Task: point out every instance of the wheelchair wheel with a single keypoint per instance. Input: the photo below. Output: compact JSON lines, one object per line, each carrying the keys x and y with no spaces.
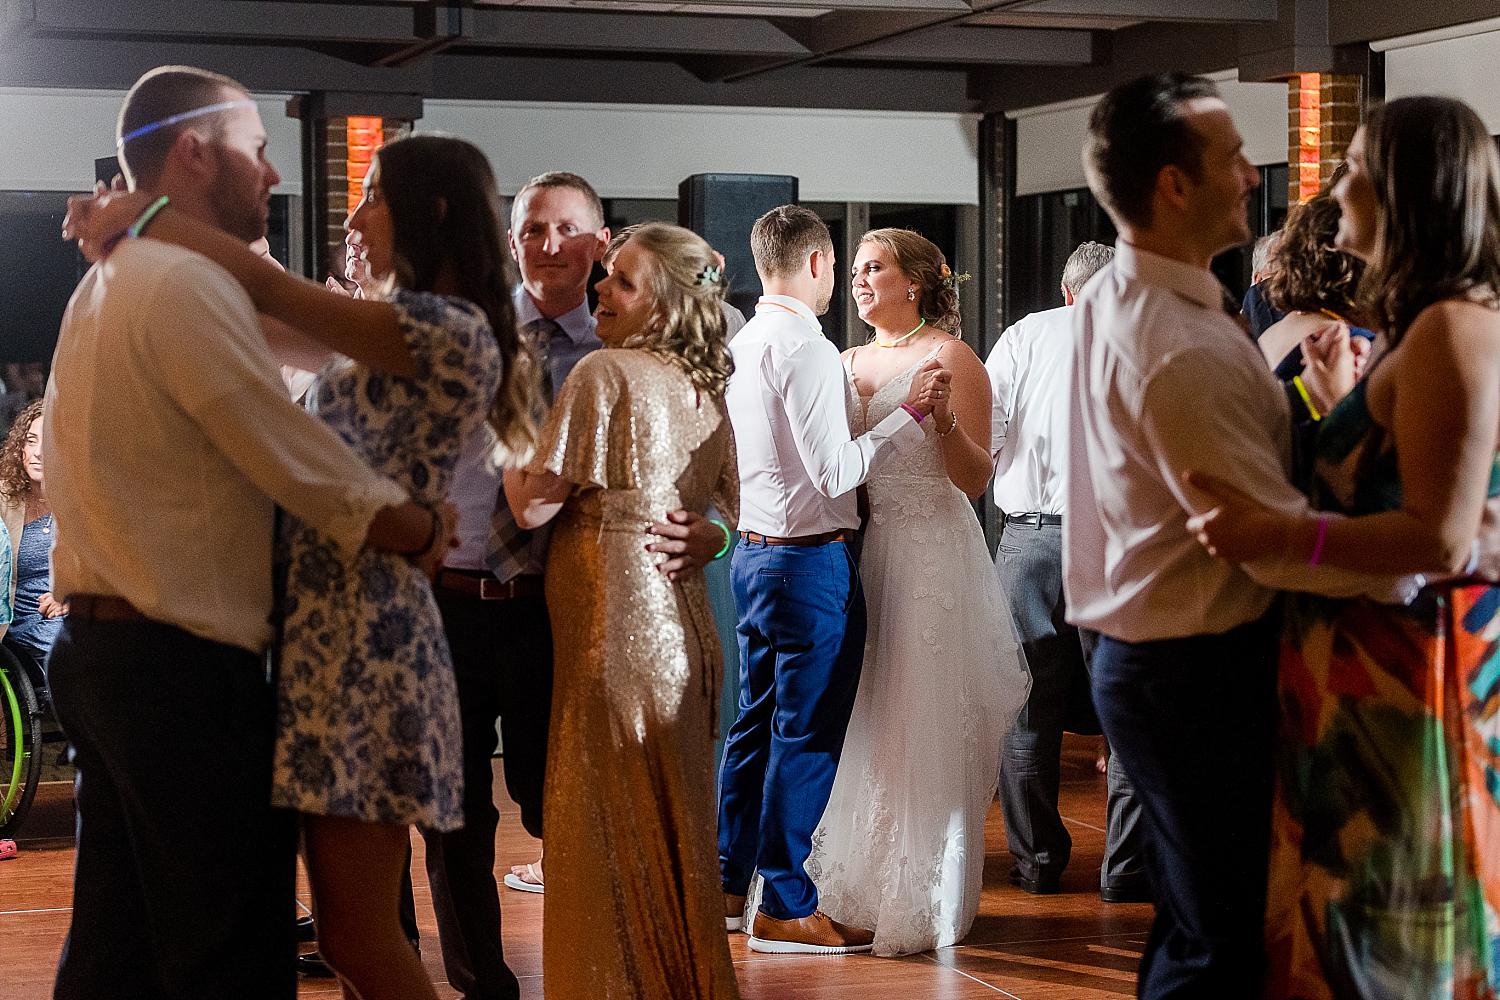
{"x":20,"y":743}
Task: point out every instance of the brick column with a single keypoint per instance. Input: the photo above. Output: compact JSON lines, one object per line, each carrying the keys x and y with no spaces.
{"x":1323,"y":111}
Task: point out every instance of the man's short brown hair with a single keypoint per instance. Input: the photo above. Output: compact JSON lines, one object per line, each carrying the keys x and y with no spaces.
{"x":783,"y":238}
{"x":561,"y":179}
{"x":162,"y":93}
{"x":1137,"y":129}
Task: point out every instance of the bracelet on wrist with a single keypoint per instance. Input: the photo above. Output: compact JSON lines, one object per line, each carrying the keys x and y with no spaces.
{"x":916,"y":415}
{"x":144,"y":219}
{"x":728,"y":538}
{"x":952,"y":424}
{"x":1301,"y":387}
{"x":1318,"y":540}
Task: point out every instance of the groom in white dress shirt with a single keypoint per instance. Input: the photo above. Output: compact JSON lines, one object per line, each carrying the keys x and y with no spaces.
{"x":796,"y":588}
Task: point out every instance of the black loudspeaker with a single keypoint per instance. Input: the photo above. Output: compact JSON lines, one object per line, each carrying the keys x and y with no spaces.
{"x":722,"y":208}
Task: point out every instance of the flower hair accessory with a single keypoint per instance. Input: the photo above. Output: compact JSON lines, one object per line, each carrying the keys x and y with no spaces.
{"x":950,"y":280}
{"x":710,"y":275}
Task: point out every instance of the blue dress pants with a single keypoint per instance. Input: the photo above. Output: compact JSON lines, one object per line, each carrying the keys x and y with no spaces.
{"x":802,"y":637}
{"x":1193,"y":723}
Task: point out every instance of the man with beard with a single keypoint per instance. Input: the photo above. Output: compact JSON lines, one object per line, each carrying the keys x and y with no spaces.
{"x":170,"y":442}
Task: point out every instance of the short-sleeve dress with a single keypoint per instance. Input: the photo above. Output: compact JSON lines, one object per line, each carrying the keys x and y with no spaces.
{"x":633,"y":897}
{"x":367,"y":720}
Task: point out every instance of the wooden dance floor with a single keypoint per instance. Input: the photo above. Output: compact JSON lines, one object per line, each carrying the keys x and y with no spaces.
{"x":1024,"y":947}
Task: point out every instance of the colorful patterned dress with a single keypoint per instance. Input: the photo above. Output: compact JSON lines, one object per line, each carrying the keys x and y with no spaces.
{"x":1385,"y":854}
{"x":367,"y":710}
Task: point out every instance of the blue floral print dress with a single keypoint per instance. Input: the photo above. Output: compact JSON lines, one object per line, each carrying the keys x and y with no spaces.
{"x":367,"y":722}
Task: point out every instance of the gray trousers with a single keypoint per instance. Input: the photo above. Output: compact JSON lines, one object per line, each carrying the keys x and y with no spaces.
{"x":1029,"y":564}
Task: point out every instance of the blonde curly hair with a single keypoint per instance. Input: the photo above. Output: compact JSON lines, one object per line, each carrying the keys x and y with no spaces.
{"x":926,"y":267}
{"x":687,"y":318}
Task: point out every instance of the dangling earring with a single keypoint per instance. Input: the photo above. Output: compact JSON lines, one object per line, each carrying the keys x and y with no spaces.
{"x":911,"y":295}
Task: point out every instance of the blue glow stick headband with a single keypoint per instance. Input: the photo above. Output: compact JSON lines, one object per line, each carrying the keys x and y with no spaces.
{"x":207,"y":109}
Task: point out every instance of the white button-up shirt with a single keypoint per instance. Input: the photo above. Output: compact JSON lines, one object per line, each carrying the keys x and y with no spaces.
{"x":170,"y":440}
{"x":1029,"y":375}
{"x":1163,"y":382}
{"x":788,"y":406}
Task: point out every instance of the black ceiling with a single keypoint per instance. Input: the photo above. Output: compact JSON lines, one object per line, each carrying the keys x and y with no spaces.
{"x":937,"y":54}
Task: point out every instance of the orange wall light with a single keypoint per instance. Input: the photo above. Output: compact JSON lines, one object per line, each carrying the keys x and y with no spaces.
{"x":365,"y":135}
{"x":1309,"y":134}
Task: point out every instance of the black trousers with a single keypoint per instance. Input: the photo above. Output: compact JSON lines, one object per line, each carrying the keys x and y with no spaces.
{"x":1193,"y":722}
{"x":502,"y":659}
{"x":185,"y":874}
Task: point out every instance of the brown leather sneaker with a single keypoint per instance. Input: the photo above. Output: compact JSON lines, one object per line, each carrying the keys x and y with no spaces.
{"x":734,"y":912}
{"x":815,"y":934}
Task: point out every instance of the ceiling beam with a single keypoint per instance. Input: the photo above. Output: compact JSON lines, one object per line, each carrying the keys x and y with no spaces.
{"x":115,"y":64}
{"x":1135,"y":51}
{"x":277,"y":20}
{"x":560,"y":30}
{"x":598,"y":80}
{"x":1197,"y":11}
{"x":948,"y":6}
{"x":964,"y":45}
{"x":845,"y":31}
{"x":1358,"y":21}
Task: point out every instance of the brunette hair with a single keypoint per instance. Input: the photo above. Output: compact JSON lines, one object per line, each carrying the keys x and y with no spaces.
{"x":1308,"y":272}
{"x":445,"y":210}
{"x":1136,"y":130}
{"x":160,"y":94}
{"x":15,"y":484}
{"x":686,"y":325}
{"x":782,"y":239}
{"x":926,"y":267}
{"x":1437,"y":186}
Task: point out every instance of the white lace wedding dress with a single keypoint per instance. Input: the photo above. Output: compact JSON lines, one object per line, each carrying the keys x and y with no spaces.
{"x":900,"y":848}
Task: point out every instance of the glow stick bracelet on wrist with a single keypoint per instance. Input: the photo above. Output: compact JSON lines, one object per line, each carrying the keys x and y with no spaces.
{"x":728,"y":538}
{"x":144,"y":219}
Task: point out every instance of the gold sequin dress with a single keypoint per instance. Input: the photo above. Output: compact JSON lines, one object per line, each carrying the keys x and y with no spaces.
{"x":634,"y":905}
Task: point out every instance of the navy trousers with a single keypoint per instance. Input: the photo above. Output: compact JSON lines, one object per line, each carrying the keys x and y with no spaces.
{"x":185,"y":873}
{"x":1193,"y":723}
{"x":802,"y":640}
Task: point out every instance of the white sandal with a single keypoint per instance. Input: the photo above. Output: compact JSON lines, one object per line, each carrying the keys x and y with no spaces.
{"x":531,"y":881}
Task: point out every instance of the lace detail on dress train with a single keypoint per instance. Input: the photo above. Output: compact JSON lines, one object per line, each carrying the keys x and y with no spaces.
{"x":900,"y":848}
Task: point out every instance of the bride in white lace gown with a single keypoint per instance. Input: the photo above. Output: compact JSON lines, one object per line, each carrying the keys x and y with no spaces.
{"x":900,"y":848}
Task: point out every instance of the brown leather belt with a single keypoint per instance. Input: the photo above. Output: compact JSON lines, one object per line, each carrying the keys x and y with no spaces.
{"x":839,"y":535}
{"x":103,"y":608}
{"x":482,"y":585}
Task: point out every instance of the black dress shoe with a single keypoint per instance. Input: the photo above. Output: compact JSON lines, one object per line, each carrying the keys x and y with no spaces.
{"x":1126,"y":892}
{"x":312,"y":966}
{"x":1042,"y":885}
{"x":307,"y":931}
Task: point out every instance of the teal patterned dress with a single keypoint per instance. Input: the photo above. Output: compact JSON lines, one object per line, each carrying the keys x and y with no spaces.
{"x":1385,"y":855}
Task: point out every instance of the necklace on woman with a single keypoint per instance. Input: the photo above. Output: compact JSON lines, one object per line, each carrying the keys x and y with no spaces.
{"x":899,"y":340}
{"x":47,"y":528}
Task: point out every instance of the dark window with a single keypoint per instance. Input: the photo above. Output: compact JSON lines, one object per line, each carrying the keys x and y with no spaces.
{"x":1047,"y":228}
